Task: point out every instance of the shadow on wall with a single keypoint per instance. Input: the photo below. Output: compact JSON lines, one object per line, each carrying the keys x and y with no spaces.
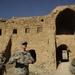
{"x":33,"y":54}
{"x":8,"y":50}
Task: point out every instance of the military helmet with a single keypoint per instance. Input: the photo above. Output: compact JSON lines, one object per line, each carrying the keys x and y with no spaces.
{"x":24,"y":43}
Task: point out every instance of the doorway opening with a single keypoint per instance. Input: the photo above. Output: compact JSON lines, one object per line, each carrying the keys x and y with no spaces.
{"x":0,"y":32}
{"x":62,"y":54}
{"x":33,"y":54}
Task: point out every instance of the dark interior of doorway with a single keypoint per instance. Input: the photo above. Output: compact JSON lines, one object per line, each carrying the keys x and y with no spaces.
{"x":59,"y":50}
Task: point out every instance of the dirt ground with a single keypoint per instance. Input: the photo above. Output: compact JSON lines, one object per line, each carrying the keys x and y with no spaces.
{"x":34,"y":70}
{"x":63,"y":69}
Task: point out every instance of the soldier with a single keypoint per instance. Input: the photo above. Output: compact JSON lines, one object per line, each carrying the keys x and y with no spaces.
{"x":2,"y":62}
{"x":72,"y":66}
{"x":22,"y":58}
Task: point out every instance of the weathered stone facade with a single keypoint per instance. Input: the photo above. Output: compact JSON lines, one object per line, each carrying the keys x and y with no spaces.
{"x":48,"y":35}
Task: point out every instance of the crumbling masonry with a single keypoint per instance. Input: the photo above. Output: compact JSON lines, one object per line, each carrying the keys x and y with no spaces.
{"x":51,"y":36}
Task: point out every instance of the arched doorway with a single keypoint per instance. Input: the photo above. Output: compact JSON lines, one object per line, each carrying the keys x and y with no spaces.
{"x":62,"y":54}
{"x":65,"y":25}
{"x":65,"y":22}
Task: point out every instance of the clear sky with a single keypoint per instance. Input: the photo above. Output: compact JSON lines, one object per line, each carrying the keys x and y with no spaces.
{"x":29,"y":8}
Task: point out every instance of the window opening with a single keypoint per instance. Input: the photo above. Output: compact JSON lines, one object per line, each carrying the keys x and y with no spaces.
{"x":15,"y":31}
{"x":64,"y":22}
{"x":27,"y":30}
{"x":39,"y":29}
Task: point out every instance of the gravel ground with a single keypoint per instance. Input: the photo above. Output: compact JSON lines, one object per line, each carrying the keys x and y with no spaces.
{"x":63,"y":69}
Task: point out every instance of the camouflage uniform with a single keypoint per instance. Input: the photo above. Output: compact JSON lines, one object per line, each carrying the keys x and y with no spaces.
{"x":2,"y":65}
{"x":72,"y":66}
{"x":22,"y":66}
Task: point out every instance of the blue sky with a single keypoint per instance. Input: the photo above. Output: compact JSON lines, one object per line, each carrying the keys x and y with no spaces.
{"x":29,"y":8}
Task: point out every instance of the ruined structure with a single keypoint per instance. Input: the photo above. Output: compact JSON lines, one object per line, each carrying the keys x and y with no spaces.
{"x":51,"y":36}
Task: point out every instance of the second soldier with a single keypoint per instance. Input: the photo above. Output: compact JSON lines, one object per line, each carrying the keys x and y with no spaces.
{"x":2,"y":62}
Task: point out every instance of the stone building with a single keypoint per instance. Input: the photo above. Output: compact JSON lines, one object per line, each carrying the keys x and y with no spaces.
{"x":51,"y":36}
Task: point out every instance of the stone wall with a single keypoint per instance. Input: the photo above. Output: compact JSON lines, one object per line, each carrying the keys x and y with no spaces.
{"x":40,"y":32}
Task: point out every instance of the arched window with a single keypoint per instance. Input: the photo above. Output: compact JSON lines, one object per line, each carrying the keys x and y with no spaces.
{"x":27,"y":30}
{"x":65,"y":22}
{"x":39,"y":29}
{"x":14,"y":31}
